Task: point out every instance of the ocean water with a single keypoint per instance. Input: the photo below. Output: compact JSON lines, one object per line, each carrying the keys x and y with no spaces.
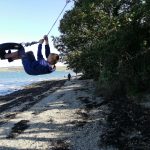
{"x":13,"y":81}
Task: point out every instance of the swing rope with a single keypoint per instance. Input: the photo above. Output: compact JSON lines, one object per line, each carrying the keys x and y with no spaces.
{"x":34,"y":42}
{"x":58,"y":17}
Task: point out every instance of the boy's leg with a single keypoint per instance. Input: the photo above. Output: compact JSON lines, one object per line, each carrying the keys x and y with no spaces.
{"x":30,"y":56}
{"x":16,"y":55}
{"x":13,"y":56}
{"x":28,"y":61}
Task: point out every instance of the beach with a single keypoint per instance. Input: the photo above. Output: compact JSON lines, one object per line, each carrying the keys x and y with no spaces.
{"x":69,"y":115}
{"x":55,"y":115}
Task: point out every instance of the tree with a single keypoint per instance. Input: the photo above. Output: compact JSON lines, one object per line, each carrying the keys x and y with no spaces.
{"x":107,"y":40}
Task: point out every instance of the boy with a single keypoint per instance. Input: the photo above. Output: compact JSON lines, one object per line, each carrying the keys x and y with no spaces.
{"x":33,"y":66}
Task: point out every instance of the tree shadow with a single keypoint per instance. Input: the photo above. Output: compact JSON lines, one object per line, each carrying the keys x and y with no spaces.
{"x":128,"y":125}
{"x":26,"y":130}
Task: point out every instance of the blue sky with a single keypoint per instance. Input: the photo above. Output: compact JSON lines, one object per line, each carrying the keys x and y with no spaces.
{"x":29,"y":20}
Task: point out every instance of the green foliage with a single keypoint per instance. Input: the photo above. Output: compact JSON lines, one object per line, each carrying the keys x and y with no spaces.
{"x":108,"y":40}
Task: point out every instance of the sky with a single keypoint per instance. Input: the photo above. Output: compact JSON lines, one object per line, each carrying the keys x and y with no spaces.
{"x":28,"y":20}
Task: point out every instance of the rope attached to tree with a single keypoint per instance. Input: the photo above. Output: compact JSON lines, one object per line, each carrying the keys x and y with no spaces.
{"x":58,"y":17}
{"x":34,"y":42}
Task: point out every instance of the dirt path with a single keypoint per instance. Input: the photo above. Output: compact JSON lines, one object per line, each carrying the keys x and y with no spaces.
{"x":68,"y":118}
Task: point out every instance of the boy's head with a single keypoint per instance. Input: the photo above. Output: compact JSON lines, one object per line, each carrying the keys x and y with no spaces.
{"x":53,"y":58}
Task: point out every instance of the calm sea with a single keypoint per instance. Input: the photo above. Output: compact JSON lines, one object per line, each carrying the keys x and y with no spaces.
{"x":12,"y":81}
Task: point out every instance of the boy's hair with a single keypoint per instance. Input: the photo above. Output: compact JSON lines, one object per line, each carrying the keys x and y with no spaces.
{"x":57,"y":56}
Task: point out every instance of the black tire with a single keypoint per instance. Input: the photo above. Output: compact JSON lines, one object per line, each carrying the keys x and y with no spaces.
{"x":10,"y":46}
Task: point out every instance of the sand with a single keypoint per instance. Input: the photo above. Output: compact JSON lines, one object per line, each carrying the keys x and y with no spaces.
{"x":54,"y":115}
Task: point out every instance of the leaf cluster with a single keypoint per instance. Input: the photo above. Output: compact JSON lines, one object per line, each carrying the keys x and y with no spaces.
{"x":108,"y":40}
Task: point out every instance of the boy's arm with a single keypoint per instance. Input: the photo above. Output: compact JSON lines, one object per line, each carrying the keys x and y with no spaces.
{"x":47,"y":48}
{"x":39,"y":52}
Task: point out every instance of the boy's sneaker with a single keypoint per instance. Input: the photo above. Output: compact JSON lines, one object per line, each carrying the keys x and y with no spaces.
{"x":9,"y":59}
{"x":2,"y":54}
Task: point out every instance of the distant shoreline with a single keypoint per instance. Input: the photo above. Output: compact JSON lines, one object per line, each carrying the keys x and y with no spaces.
{"x":20,"y":68}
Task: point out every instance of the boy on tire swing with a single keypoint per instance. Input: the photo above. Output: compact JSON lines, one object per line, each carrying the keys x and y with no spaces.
{"x":30,"y":64}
